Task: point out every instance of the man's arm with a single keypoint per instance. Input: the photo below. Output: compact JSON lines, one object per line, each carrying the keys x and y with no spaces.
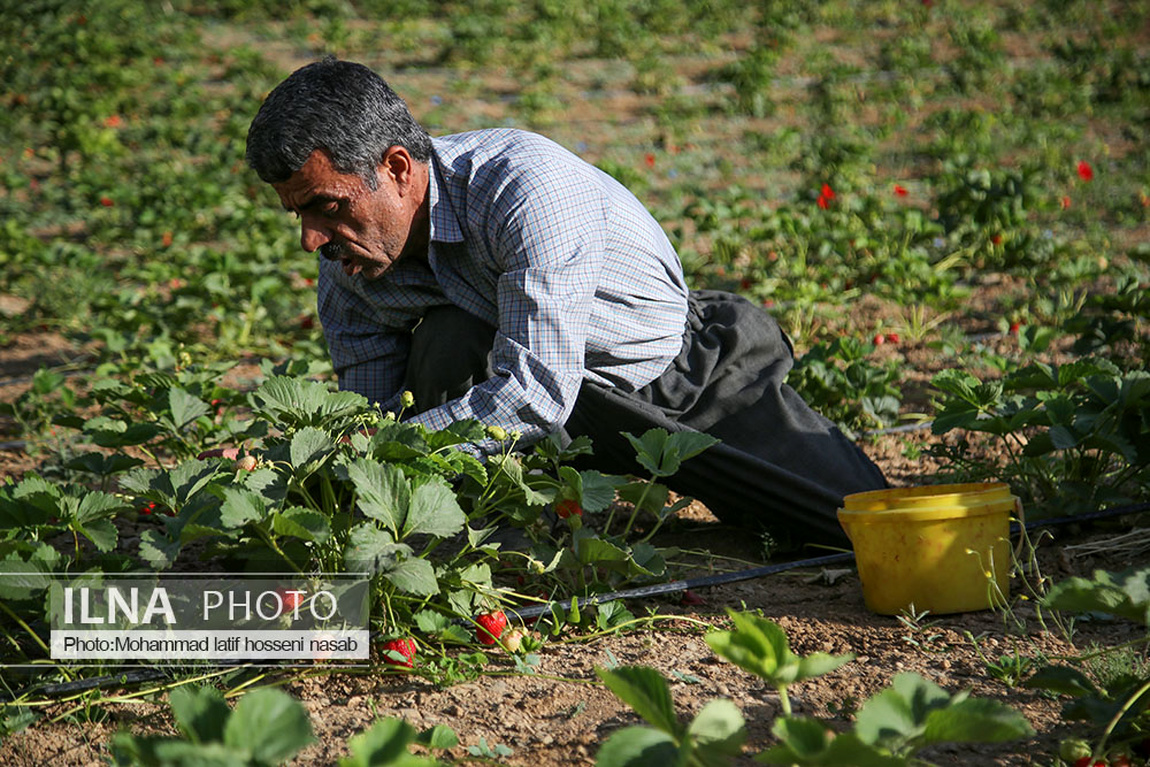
{"x":545,"y":238}
{"x":369,"y":356}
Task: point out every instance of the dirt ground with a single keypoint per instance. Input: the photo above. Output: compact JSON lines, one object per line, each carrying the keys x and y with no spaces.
{"x":560,"y":715}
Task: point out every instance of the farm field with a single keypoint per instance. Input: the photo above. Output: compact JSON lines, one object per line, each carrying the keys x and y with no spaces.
{"x":946,"y":204}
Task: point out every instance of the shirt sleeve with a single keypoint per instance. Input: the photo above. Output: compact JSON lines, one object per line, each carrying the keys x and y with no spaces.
{"x":545,"y":236}
{"x":369,"y":357}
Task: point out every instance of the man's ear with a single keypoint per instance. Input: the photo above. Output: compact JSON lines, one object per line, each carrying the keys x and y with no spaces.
{"x":397,"y":167}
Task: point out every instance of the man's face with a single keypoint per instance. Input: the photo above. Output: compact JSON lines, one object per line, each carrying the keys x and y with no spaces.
{"x":365,"y":229}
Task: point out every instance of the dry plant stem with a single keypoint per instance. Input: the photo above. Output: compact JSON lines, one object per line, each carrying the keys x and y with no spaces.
{"x":1135,"y":542}
{"x":1103,"y":651}
{"x":709,"y":555}
{"x":237,"y":690}
{"x":549,"y":677}
{"x":650,"y":619}
{"x":122,"y":698}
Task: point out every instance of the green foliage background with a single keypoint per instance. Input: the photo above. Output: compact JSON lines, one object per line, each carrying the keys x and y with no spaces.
{"x":917,"y":173}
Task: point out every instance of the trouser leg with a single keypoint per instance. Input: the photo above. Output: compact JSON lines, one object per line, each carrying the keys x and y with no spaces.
{"x":450,"y":353}
{"x":793,"y":497}
{"x":780,"y":465}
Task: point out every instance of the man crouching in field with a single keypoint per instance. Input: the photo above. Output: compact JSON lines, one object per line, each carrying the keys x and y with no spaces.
{"x":499,"y":277}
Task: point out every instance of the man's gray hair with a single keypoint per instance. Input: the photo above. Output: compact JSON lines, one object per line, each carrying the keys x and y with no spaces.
{"x":339,"y":106}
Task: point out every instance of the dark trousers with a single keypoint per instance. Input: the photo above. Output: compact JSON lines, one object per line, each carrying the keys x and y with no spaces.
{"x":780,"y":465}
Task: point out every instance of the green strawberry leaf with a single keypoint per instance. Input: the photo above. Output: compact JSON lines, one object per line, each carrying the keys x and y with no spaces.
{"x":301,"y":523}
{"x":414,"y":576}
{"x":384,"y":743}
{"x":372,"y":549}
{"x":200,"y":712}
{"x":598,"y":490}
{"x":439,"y":736}
{"x":639,"y":747}
{"x":756,"y":645}
{"x":269,"y":723}
{"x":384,"y":493}
{"x":646,"y":691}
{"x":101,"y":532}
{"x":1065,"y":680}
{"x":898,"y":715}
{"x":98,"y":505}
{"x":241,"y":506}
{"x":720,"y":727}
{"x":1125,"y":594}
{"x":309,"y":448}
{"x":434,"y":510}
{"x":158,"y":550}
{"x":186,"y":407}
{"x":975,"y":720}
{"x":21,"y":580}
{"x":808,"y":742}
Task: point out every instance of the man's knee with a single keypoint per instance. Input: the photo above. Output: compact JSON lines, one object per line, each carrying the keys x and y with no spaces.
{"x":450,"y":353}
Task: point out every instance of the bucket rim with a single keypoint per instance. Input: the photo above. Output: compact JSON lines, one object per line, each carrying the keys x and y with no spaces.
{"x":961,"y":495}
{"x":929,"y":513}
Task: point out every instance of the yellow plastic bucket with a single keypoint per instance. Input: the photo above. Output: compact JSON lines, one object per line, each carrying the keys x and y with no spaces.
{"x":942,"y":548}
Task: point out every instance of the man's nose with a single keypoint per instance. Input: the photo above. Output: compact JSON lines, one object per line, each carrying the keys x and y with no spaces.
{"x":313,"y":237}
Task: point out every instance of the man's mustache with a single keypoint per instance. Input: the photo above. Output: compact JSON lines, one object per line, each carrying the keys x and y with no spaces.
{"x":333,"y":251}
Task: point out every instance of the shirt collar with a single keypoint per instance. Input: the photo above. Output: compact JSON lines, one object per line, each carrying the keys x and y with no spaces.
{"x":444,"y":224}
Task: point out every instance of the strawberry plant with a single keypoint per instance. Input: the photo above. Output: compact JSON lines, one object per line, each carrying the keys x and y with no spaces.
{"x":840,"y":382}
{"x":714,"y":736}
{"x":264,"y":729}
{"x":324,"y":482}
{"x":1118,"y":708}
{"x":1074,"y":431}
{"x":890,"y":727}
{"x":759,"y":646}
{"x":36,"y":410}
{"x":388,"y":742}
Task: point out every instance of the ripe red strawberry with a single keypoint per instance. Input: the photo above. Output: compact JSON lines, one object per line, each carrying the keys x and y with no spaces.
{"x":892,"y":338}
{"x":291,"y":599}
{"x":691,"y":598}
{"x":491,"y":626}
{"x":405,"y":647}
{"x":879,"y":339}
{"x":568,"y":508}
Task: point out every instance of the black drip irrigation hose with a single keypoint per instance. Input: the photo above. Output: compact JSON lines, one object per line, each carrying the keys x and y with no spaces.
{"x":671,"y":587}
{"x":139,"y":676}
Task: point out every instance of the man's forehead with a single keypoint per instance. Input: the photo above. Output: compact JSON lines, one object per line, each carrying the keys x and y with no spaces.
{"x":316,"y":177}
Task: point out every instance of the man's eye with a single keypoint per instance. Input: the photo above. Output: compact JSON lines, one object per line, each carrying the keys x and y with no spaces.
{"x":330,"y":208}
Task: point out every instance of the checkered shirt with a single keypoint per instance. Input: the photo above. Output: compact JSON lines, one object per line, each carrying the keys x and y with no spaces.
{"x":578,"y":278}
